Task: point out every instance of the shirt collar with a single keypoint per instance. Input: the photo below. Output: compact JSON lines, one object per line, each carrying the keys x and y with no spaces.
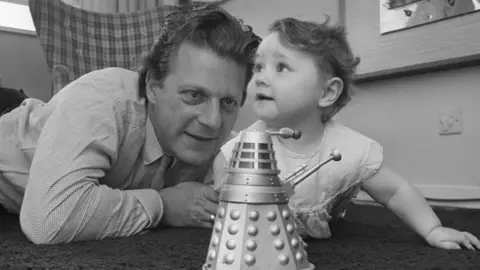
{"x":152,"y":150}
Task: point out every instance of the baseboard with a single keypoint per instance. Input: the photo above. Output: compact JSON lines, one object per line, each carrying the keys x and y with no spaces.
{"x":440,"y":195}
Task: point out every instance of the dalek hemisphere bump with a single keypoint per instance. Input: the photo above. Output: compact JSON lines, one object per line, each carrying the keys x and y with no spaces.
{"x":254,"y":227}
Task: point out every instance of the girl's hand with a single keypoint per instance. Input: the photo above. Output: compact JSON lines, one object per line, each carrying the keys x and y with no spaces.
{"x":447,"y":238}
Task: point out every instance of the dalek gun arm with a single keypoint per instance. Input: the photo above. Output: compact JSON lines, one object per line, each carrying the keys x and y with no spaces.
{"x":302,"y":173}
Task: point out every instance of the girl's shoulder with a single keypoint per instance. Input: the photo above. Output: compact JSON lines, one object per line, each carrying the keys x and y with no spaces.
{"x":360,"y":153}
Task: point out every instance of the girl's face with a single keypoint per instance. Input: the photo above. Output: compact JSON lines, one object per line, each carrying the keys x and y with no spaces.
{"x":286,"y":84}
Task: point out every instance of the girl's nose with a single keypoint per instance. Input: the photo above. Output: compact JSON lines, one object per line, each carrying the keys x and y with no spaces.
{"x":261,"y":80}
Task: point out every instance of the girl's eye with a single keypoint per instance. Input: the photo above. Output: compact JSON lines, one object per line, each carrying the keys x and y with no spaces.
{"x":281,"y":67}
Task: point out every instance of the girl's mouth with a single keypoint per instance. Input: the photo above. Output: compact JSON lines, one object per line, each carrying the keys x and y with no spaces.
{"x":262,"y":97}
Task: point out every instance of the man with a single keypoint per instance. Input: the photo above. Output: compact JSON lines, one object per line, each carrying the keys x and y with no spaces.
{"x":96,"y":160}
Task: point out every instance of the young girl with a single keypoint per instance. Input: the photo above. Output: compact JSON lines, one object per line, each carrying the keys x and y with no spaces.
{"x":302,"y":77}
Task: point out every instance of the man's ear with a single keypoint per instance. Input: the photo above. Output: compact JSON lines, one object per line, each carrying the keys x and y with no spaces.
{"x":332,"y":90}
{"x":151,"y":89}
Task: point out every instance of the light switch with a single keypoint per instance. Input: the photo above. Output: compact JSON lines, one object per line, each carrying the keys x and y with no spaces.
{"x":450,"y":121}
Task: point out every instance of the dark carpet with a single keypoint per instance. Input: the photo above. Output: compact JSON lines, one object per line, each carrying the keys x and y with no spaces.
{"x":369,"y":238}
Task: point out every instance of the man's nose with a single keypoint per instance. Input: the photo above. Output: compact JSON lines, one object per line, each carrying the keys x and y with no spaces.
{"x":211,"y":115}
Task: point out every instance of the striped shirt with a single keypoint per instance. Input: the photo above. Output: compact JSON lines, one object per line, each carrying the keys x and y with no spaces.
{"x":88,"y":156}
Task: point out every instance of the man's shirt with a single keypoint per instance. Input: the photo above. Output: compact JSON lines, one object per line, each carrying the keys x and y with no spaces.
{"x":88,"y":155}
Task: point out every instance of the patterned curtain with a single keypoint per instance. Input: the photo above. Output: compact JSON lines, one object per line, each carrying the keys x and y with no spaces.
{"x":126,"y":6}
{"x":115,"y":6}
{"x":77,"y":39}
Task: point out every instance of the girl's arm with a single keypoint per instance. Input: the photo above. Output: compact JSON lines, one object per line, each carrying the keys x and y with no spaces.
{"x":403,"y":199}
{"x":407,"y":203}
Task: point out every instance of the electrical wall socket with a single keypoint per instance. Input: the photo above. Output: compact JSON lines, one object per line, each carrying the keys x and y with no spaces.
{"x":450,"y":121}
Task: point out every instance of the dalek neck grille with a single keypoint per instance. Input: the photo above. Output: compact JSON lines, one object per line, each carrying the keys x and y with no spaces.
{"x":253,"y":154}
{"x":253,"y":173}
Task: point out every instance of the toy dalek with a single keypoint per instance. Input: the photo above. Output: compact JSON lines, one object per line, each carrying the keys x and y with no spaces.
{"x":254,"y":227}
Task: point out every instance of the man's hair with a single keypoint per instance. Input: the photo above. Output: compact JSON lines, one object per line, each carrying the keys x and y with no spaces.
{"x":205,"y":26}
{"x":328,"y":45}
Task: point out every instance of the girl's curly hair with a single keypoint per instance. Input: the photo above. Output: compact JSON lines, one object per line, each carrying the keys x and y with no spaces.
{"x":329,"y":45}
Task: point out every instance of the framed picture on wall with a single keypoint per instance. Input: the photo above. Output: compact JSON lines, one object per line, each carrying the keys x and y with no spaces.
{"x":390,"y":44}
{"x":398,"y":15}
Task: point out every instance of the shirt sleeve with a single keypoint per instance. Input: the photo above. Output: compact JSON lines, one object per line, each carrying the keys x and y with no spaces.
{"x":219,"y":172}
{"x":64,"y":199}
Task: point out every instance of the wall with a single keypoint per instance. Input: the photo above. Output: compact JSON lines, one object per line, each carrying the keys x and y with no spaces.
{"x":23,"y":65}
{"x":260,"y":14}
{"x":401,"y":113}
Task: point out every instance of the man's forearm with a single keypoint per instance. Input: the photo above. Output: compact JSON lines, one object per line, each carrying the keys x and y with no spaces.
{"x":413,"y":209}
{"x":90,"y":212}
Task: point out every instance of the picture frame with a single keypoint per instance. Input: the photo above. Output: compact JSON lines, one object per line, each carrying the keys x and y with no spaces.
{"x":430,"y":47}
{"x":399,"y":15}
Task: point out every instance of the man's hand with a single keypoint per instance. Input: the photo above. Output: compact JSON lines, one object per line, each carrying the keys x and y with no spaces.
{"x":189,"y":204}
{"x":447,"y":238}
{"x":183,"y":172}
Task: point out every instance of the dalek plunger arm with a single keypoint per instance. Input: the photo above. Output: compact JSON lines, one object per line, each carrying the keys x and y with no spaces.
{"x":292,"y":179}
{"x":335,"y":156}
{"x":302,"y":172}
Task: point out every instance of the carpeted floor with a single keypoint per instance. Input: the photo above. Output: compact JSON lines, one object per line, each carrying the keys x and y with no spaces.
{"x":370,"y":238}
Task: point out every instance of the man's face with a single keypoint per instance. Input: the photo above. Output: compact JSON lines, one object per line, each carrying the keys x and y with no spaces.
{"x":197,"y":106}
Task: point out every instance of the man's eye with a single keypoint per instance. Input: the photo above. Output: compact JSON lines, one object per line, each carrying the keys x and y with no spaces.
{"x":192,"y":94}
{"x":230,"y":102}
{"x":257,"y":68}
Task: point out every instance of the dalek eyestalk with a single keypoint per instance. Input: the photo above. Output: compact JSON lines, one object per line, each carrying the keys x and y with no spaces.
{"x":286,"y":133}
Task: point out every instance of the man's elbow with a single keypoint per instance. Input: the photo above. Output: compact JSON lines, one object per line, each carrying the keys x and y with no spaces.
{"x":38,"y":226}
